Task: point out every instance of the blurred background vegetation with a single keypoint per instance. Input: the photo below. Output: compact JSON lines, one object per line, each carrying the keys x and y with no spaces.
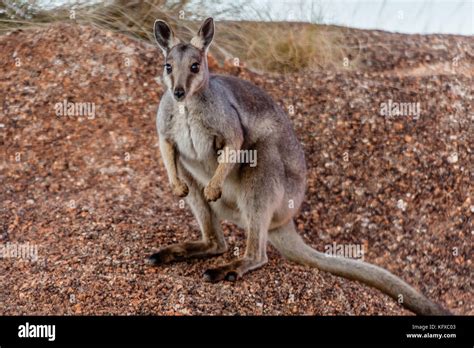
{"x":262,"y":45}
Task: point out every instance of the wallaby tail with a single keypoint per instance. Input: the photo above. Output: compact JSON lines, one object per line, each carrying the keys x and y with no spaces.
{"x":287,"y":241}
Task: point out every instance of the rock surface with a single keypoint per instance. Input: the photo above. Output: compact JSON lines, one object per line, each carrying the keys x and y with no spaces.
{"x":92,"y":195}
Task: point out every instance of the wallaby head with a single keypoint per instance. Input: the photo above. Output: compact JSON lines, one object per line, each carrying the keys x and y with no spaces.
{"x":185,"y":71}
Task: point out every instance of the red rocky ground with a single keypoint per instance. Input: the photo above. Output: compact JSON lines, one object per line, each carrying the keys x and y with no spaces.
{"x":92,"y":194}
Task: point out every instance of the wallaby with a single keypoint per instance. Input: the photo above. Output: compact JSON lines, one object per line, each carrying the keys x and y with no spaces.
{"x":201,"y":115}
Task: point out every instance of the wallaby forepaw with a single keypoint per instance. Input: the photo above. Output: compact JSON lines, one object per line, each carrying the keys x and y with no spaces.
{"x":180,"y":189}
{"x":212,"y":193}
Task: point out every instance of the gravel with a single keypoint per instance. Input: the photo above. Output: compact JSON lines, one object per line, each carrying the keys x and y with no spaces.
{"x":91,"y":195}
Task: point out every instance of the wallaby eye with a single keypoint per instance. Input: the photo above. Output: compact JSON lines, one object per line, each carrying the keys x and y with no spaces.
{"x":195,"y":68}
{"x":168,"y":68}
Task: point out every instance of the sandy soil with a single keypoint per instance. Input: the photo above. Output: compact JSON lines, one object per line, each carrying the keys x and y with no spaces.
{"x":91,"y":193}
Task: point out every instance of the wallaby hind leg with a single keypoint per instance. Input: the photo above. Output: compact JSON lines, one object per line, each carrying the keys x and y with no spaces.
{"x":212,"y":242}
{"x":254,"y":257}
{"x":257,"y":206}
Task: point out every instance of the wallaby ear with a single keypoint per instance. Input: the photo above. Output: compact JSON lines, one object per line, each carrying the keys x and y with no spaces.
{"x":204,"y":36}
{"x":164,"y":35}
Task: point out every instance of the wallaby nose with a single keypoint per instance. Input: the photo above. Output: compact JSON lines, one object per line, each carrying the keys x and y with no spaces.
{"x":179,"y":93}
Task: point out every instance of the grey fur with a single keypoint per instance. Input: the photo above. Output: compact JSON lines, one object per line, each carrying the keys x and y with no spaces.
{"x":220,"y":112}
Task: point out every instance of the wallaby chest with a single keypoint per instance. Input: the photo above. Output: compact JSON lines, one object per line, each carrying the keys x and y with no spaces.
{"x":193,"y":137}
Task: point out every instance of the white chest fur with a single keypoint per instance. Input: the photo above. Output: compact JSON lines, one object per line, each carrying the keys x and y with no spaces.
{"x":192,"y":138}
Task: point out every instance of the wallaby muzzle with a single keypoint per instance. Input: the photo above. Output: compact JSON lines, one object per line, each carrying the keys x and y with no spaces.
{"x":179,"y":93}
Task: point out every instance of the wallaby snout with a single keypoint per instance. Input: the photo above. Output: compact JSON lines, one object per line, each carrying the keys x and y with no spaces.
{"x":179,"y":93}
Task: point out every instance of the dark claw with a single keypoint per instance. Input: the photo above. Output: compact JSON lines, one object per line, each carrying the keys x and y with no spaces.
{"x":212,"y":275}
{"x":161,"y":257}
{"x":218,"y":197}
{"x":155,"y":259}
{"x":185,"y":192}
{"x":217,"y":274}
{"x":231,"y":276}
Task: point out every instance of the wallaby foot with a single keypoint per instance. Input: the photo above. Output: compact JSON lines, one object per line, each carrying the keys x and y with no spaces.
{"x":233,"y":270}
{"x":186,"y":250}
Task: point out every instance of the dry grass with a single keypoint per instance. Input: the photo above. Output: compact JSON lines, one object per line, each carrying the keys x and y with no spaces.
{"x":284,"y":48}
{"x":264,"y":46}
